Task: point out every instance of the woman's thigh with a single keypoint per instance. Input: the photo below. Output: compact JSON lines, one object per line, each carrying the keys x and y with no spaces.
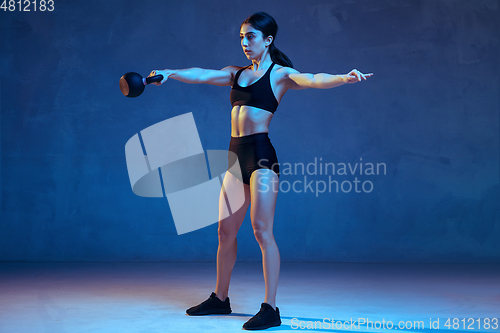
{"x":235,"y":198}
{"x":264,"y":187}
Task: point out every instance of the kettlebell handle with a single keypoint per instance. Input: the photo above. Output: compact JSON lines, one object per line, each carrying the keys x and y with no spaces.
{"x":152,"y":79}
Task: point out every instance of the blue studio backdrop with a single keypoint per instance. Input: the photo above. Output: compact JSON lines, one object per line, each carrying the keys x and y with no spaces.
{"x":428,"y":121}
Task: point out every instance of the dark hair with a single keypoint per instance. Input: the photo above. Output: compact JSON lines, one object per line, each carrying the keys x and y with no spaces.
{"x":267,"y":25}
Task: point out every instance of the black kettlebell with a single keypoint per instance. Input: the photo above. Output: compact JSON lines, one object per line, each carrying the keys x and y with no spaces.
{"x":132,"y":84}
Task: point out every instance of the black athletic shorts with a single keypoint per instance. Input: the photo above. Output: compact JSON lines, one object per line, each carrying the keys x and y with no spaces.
{"x":254,"y":151}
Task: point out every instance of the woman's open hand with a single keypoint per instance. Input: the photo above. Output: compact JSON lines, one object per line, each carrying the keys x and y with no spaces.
{"x":355,"y":76}
{"x":165,"y":72}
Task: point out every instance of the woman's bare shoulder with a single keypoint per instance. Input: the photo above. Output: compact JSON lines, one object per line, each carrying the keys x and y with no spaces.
{"x":232,"y":69}
{"x":284,"y":71}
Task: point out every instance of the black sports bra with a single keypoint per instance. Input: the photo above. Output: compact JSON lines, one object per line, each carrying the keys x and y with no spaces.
{"x":259,"y":94}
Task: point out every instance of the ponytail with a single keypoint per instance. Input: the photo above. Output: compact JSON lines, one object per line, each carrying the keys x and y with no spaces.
{"x":279,"y":57}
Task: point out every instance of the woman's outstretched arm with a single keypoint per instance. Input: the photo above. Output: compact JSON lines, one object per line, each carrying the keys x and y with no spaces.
{"x":223,"y":77}
{"x":296,"y":80}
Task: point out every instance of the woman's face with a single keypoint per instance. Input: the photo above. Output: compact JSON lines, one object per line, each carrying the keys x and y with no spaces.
{"x":252,"y":42}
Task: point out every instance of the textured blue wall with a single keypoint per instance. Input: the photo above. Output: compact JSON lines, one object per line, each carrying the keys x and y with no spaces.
{"x":430,"y":113}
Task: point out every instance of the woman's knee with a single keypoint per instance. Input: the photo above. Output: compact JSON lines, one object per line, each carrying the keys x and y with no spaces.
{"x":226,"y":235}
{"x":262,"y":234}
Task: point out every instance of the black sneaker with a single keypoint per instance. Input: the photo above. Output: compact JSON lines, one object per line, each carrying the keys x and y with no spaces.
{"x":265,"y":318}
{"x":213,"y":305}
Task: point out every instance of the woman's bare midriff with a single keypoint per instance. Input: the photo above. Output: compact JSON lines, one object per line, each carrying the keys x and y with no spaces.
{"x":246,"y":120}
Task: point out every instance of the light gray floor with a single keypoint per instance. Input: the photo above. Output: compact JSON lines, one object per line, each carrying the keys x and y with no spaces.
{"x":153,"y":297}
